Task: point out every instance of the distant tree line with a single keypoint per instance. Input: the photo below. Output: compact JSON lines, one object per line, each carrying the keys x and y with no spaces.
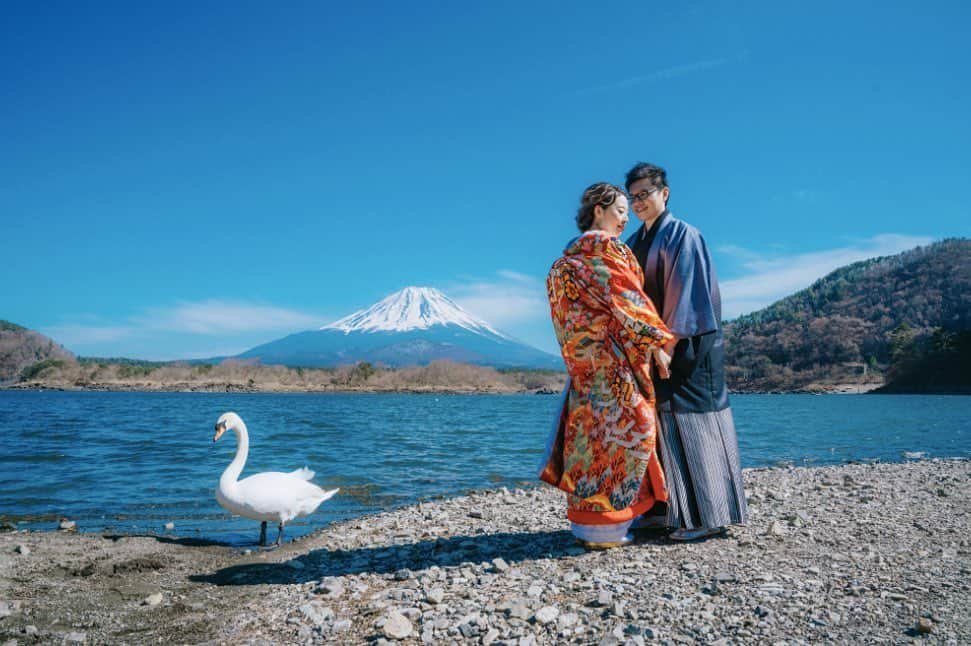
{"x":871,"y":321}
{"x":236,"y":375}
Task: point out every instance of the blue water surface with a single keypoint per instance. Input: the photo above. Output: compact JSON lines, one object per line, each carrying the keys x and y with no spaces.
{"x":132,"y":462}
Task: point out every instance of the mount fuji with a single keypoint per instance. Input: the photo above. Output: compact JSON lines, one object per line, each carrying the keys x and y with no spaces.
{"x":414,"y":326}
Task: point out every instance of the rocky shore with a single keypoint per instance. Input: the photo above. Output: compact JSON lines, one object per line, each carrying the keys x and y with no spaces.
{"x":858,"y":553}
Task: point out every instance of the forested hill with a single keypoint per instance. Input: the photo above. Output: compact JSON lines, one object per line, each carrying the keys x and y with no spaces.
{"x":902,"y":321}
{"x":21,"y":348}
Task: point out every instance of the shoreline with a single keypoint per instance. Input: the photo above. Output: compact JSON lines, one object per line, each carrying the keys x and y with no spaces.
{"x":855,"y":553}
{"x":230,"y":387}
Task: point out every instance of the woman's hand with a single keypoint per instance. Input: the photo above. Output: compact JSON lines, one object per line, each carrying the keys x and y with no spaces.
{"x":663,"y":361}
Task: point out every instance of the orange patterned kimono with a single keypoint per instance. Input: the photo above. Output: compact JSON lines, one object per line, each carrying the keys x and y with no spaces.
{"x":604,"y":455}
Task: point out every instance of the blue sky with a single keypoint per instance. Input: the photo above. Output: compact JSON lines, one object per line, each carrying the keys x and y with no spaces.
{"x":190,"y":179}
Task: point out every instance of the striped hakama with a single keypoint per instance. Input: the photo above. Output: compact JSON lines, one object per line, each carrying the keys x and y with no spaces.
{"x":699,"y":453}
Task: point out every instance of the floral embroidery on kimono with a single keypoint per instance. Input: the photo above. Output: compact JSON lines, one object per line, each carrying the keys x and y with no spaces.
{"x":605,"y":454}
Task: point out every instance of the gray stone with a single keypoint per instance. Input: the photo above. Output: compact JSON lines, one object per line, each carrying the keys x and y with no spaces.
{"x":152,"y":600}
{"x":435,"y":595}
{"x":68,"y":526}
{"x":519,"y":610}
{"x":22,"y":549}
{"x":403,"y":575}
{"x":342,"y":626}
{"x":777,"y":529}
{"x":76,"y":638}
{"x":411,"y":613}
{"x":316,"y":613}
{"x":396,"y":626}
{"x":925,"y":626}
{"x":547,"y":615}
{"x":490,"y":637}
{"x":330,"y":589}
{"x":499,"y":564}
{"x":567,"y":620}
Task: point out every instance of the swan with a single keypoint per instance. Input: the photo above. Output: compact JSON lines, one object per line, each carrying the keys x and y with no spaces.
{"x":268,"y":496}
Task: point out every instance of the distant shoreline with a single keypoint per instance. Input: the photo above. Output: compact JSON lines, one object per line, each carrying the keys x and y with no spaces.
{"x":431,"y":389}
{"x":278,"y":389}
{"x":242,"y":377}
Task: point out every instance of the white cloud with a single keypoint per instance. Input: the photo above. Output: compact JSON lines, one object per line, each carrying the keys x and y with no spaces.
{"x":668,"y":73}
{"x":768,"y":279}
{"x":510,"y":301}
{"x":516,"y":276}
{"x":73,"y":334}
{"x":183,"y":330}
{"x":215,"y":317}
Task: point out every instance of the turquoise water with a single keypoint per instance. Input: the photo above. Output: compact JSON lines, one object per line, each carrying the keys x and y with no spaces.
{"x":132,"y":462}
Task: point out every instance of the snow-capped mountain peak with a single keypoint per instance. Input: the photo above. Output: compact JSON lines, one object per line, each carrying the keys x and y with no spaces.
{"x":412,"y":308}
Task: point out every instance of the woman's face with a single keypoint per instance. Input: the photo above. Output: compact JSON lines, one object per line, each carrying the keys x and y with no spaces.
{"x":613,"y":218}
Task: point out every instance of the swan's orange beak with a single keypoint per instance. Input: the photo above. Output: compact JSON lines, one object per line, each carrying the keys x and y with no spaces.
{"x":220,"y":429}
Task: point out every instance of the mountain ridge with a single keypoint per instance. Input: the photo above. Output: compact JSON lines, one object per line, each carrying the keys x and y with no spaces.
{"x":21,"y":348}
{"x":412,"y":327}
{"x":857,"y":323}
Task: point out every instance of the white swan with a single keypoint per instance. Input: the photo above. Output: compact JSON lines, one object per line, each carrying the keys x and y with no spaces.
{"x":269,"y":496}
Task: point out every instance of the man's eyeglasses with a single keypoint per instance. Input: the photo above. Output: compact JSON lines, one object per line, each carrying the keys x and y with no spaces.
{"x":643,"y":195}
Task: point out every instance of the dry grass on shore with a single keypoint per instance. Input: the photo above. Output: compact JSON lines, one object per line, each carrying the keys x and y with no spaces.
{"x":238,"y":376}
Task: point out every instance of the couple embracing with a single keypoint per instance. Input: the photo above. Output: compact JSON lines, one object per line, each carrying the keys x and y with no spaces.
{"x":644,"y":436}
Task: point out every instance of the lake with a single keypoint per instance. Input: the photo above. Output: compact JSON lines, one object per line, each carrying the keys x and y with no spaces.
{"x":132,"y":462}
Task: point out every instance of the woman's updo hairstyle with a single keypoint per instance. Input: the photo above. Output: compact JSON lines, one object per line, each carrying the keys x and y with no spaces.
{"x":600,"y":194}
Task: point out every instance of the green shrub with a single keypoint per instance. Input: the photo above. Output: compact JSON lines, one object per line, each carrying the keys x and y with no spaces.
{"x":126,"y":371}
{"x":35,"y":370}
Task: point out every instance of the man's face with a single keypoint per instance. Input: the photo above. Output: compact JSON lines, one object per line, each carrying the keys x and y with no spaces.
{"x":647,"y":201}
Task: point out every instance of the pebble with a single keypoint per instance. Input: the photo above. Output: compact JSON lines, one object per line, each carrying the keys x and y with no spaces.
{"x":68,"y":526}
{"x":22,"y":549}
{"x":435,"y":595}
{"x":316,"y":613}
{"x":546,"y":615}
{"x":169,"y":527}
{"x":330,"y":589}
{"x":152,"y":600}
{"x":396,"y":626}
{"x":519,"y":610}
{"x":925,"y":626}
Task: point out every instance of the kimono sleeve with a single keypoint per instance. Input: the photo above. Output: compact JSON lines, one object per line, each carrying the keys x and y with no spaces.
{"x":692,"y":304}
{"x":639,"y":327}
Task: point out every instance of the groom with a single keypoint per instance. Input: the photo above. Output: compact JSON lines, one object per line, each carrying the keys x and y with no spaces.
{"x":699,"y":449}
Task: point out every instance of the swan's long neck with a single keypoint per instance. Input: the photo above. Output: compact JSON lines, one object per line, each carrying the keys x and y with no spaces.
{"x":231,"y":474}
